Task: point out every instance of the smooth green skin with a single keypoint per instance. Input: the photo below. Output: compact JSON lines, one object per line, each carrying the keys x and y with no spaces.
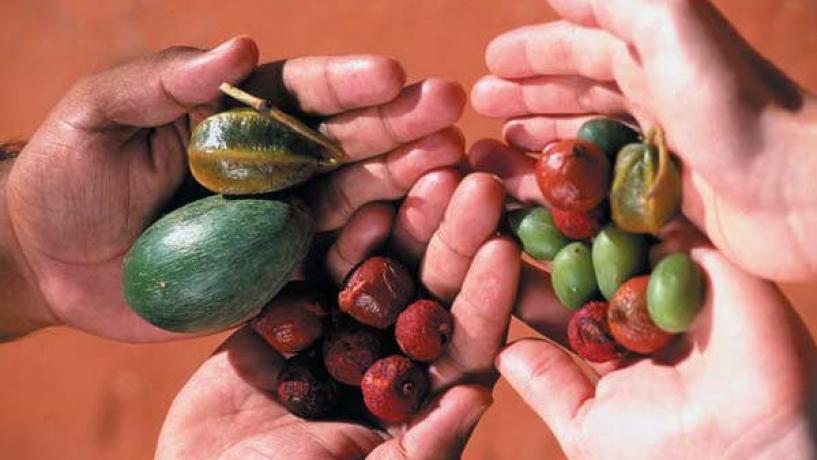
{"x":608,"y":134}
{"x":573,"y":278}
{"x":214,"y":263}
{"x":536,"y":231}
{"x":617,"y":257}
{"x":675,"y":293}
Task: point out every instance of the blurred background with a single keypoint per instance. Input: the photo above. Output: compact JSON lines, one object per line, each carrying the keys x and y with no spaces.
{"x":67,"y":395}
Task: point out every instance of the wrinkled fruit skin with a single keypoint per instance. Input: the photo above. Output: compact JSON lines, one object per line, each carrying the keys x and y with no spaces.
{"x":589,"y":336}
{"x":629,"y":320}
{"x":376,"y":292}
{"x":579,"y":225}
{"x":394,"y":388}
{"x":349,"y":350}
{"x":573,"y":175}
{"x":424,"y":330}
{"x":305,"y":388}
{"x":292,"y":321}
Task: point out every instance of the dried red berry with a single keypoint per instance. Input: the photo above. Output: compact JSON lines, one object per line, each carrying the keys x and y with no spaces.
{"x":423,"y":330}
{"x":573,"y":175}
{"x":579,"y":225}
{"x":589,"y":335}
{"x":305,"y":388}
{"x":349,"y":350}
{"x":394,"y":388}
{"x":629,"y":320}
{"x":376,"y":292}
{"x":293,"y":320}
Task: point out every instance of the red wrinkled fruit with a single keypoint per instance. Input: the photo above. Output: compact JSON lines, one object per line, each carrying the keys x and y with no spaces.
{"x":589,"y":335}
{"x":629,"y":320}
{"x":293,"y":320}
{"x":423,"y":330}
{"x":394,"y":388}
{"x":376,"y":292}
{"x":573,"y":175}
{"x":579,"y":225}
{"x":349,"y":350}
{"x":305,"y":388}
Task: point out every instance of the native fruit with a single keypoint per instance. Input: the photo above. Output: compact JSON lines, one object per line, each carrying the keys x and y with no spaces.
{"x":537,"y":232}
{"x":629,"y":320}
{"x":579,"y":225}
{"x":589,"y":336}
{"x":293,"y":320}
{"x":349,"y":350}
{"x":675,"y":293}
{"x":376,"y":292}
{"x":305,"y":388}
{"x":394,"y":388}
{"x":617,"y":256}
{"x":214,"y":263}
{"x":608,"y":134}
{"x":573,"y":175}
{"x":256,"y":150}
{"x":573,"y":279}
{"x":424,"y":330}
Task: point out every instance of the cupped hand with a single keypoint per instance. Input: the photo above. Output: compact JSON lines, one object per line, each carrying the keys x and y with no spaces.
{"x":112,"y":153}
{"x":742,"y":129}
{"x":737,"y":384}
{"x":446,"y":228}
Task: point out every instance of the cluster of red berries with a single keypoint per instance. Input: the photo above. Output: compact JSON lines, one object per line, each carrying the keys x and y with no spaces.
{"x":373,"y":346}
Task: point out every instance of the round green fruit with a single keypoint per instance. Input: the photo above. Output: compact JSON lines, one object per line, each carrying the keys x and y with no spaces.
{"x":608,"y":134}
{"x":573,"y":279}
{"x":536,"y":231}
{"x":675,"y":293}
{"x":617,"y":256}
{"x":214,"y":263}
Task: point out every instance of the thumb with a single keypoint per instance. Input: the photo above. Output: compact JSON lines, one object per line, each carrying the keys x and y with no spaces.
{"x":157,"y":89}
{"x":548,"y":380}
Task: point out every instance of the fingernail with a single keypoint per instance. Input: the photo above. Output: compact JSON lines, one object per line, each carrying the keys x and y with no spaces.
{"x":224,"y":46}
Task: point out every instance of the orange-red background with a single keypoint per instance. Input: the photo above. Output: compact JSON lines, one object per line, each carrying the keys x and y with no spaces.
{"x":68,"y":395}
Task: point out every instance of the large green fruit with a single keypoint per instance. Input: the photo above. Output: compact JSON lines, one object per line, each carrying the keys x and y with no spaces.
{"x":617,"y":256}
{"x":608,"y":134}
{"x":535,"y":229}
{"x":573,"y":279}
{"x":214,"y":263}
{"x":675,"y":293}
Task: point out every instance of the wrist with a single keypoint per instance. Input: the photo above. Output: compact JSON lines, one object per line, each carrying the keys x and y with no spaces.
{"x":22,"y":307}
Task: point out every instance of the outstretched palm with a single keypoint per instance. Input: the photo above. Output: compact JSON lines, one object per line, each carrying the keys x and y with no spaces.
{"x":112,"y":153}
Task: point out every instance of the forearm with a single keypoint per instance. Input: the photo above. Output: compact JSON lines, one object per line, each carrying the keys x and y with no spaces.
{"x":22,"y":309}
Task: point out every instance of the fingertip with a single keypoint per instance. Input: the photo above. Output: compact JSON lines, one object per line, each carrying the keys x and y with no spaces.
{"x":506,"y":55}
{"x":488,"y":187}
{"x":483,"y":95}
{"x":384,"y":76}
{"x":448,"y":95}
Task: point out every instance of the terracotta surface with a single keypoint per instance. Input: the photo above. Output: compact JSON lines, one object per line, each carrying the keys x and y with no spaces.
{"x":70,"y":396}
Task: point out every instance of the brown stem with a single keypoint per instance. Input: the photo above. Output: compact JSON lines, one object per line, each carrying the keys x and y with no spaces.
{"x":334,"y":155}
{"x":663,"y":162}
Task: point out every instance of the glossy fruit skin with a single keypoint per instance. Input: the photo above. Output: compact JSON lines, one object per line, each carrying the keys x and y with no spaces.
{"x":629,"y":320}
{"x":573,"y":175}
{"x":305,"y":388}
{"x":394,"y":388}
{"x":214,"y":263}
{"x":618,"y":256}
{"x":635,"y":172}
{"x":376,"y":292}
{"x":579,"y":225}
{"x":537,"y":232}
{"x":349,"y":350}
{"x":608,"y":134}
{"x":573,"y":278}
{"x":589,"y":336}
{"x":675,"y":293}
{"x":293,"y":320}
{"x":242,"y":151}
{"x":423,"y":330}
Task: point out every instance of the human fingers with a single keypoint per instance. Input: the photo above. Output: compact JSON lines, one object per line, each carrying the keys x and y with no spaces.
{"x":365,"y":233}
{"x":334,"y":197}
{"x":512,"y":166}
{"x":533,"y":133}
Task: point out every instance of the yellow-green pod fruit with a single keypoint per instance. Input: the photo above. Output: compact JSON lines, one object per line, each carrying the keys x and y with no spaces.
{"x":646,"y":191}
{"x":257,"y":150}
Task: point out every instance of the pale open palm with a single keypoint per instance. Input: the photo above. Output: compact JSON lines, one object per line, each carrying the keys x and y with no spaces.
{"x":740,"y":127}
{"x":112,"y":153}
{"x":226,"y":409}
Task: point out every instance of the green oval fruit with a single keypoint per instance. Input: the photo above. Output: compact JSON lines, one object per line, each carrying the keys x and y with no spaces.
{"x":214,"y":263}
{"x":536,"y":231}
{"x":617,"y":256}
{"x":608,"y":134}
{"x":675,"y":293}
{"x":573,"y":279}
{"x":243,"y":151}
